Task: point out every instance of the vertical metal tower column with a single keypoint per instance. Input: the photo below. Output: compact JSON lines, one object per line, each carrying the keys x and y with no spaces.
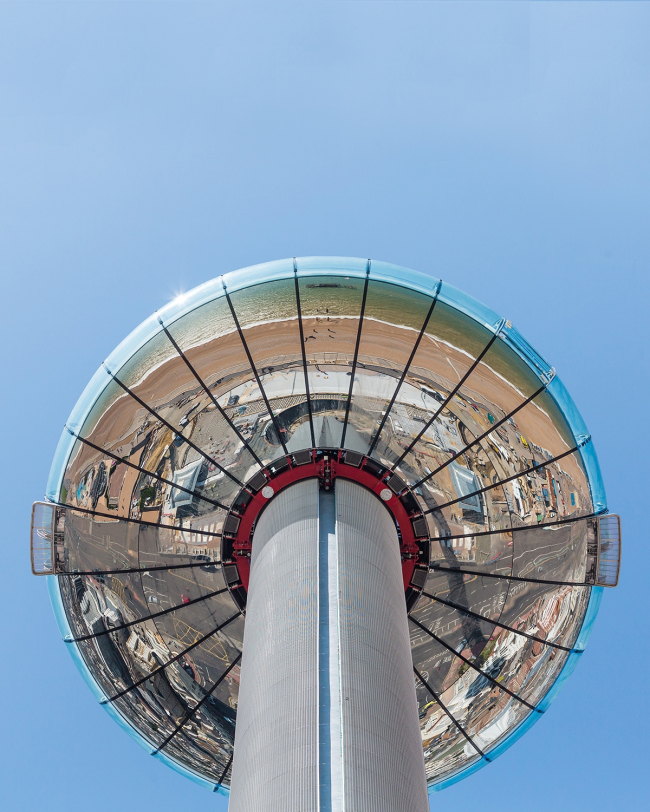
{"x":276,"y":742}
{"x":327,"y":717}
{"x":383,"y":758}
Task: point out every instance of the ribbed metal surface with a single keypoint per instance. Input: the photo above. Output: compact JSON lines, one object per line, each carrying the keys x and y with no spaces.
{"x":383,"y":761}
{"x":329,"y":682}
{"x":275,"y":766}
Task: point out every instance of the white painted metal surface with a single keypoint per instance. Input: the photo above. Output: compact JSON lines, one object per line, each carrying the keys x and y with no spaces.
{"x":275,"y":767}
{"x":383,"y":760}
{"x":327,"y":718}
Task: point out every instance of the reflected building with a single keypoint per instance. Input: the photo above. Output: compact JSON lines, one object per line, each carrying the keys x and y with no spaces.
{"x":324,"y":533}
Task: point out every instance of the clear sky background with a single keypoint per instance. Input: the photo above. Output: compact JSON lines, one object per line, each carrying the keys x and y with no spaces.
{"x":146,"y":147}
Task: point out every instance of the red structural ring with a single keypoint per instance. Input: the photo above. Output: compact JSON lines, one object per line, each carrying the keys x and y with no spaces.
{"x":326,"y":466}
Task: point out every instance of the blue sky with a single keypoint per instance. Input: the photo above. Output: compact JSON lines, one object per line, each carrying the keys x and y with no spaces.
{"x":147,"y":147}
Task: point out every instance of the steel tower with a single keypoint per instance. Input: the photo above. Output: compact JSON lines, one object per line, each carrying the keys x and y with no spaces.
{"x":323,"y":533}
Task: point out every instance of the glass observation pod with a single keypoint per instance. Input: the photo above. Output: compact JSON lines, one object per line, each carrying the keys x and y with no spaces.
{"x":325,"y":366}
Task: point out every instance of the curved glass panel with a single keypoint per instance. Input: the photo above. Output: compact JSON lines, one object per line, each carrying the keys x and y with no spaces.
{"x":330,"y":307}
{"x":327,"y":353}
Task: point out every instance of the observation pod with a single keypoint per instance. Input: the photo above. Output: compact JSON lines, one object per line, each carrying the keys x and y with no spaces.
{"x":325,"y":532}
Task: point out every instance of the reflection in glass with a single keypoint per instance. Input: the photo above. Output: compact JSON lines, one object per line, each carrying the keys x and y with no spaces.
{"x":451,"y":399}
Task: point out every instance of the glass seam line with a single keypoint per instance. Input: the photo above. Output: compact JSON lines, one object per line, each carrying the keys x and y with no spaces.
{"x":355,"y":357}
{"x":304,"y":355}
{"x":144,"y":471}
{"x":144,"y":619}
{"x":437,"y":568}
{"x":324,"y":654}
{"x":508,"y":584}
{"x":223,"y":774}
{"x":177,"y":432}
{"x":468,"y":612}
{"x":253,"y":367}
{"x":449,"y":714}
{"x":447,"y":400}
{"x":137,"y":521}
{"x":210,"y":395}
{"x":514,"y":529}
{"x":193,"y":710}
{"x":405,"y":371}
{"x":506,"y":480}
{"x":471,"y":664}
{"x":135,"y":570}
{"x":169,"y":662}
{"x":457,"y":454}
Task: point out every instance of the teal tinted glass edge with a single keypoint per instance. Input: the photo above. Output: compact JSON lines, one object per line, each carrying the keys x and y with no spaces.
{"x":343,"y":266}
{"x":543,"y":705}
{"x":66,"y":632}
{"x":454,"y":779}
{"x":469,"y":306}
{"x":558,"y":391}
{"x":185,"y":771}
{"x":514,"y":339}
{"x":59,"y":464}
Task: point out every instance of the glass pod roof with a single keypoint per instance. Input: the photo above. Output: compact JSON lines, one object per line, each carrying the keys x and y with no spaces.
{"x":340,"y":354}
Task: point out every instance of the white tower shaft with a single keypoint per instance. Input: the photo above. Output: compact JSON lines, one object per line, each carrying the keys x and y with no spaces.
{"x":327,"y":718}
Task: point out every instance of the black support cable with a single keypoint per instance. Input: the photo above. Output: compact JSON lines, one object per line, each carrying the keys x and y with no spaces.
{"x":304,"y":354}
{"x":177,"y":432}
{"x":436,"y":697}
{"x":479,"y":438}
{"x":223,"y":774}
{"x":443,"y":405}
{"x":174,"y":659}
{"x":462,"y":571}
{"x":406,"y":369}
{"x":212,"y":397}
{"x":134,"y":570}
{"x":254,"y":369}
{"x":471,"y":664}
{"x":468,"y":612}
{"x":356,"y":355}
{"x":136,"y":521}
{"x":516,"y":529}
{"x":144,"y":471}
{"x":144,"y":619}
{"x":534,"y":467}
{"x":191,"y":713}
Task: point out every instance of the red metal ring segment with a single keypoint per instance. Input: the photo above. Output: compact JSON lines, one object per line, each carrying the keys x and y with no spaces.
{"x":326,"y":465}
